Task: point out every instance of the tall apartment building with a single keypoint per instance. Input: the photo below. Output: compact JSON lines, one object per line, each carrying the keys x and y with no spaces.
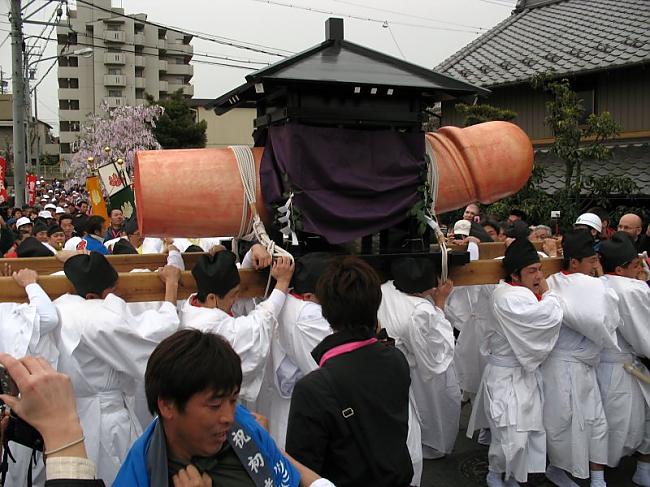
{"x":130,"y":58}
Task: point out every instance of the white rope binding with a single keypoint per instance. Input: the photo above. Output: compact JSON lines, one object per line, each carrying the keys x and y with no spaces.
{"x":432,"y":221}
{"x":252,"y":227}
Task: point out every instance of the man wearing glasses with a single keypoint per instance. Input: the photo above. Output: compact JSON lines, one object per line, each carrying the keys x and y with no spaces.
{"x":632,"y":224}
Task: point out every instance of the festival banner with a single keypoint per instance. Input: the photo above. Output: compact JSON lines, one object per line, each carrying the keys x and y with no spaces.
{"x":97,"y":203}
{"x":4,"y":196}
{"x":125,"y":201}
{"x":31,"y":189}
{"x":114,"y":177}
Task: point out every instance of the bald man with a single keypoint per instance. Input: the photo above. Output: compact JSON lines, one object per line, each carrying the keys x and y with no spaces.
{"x":632,"y":224}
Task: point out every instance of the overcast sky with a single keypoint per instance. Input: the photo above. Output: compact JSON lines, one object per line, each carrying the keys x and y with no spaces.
{"x":424,"y":32}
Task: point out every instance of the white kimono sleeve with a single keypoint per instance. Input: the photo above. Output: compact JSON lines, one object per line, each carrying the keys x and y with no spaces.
{"x":126,"y":346}
{"x":308,"y":331}
{"x":430,"y":340}
{"x":530,"y":326}
{"x":634,"y":307}
{"x":48,"y":317}
{"x":590,"y":308}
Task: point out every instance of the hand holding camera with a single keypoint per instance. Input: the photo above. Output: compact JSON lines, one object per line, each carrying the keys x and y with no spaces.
{"x":46,"y":402}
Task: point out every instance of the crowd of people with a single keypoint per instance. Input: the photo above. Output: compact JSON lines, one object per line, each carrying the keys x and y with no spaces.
{"x":335,"y":378}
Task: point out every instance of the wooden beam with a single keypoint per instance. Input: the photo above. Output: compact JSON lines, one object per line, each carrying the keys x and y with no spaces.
{"x":492,"y":271}
{"x":131,"y":286}
{"x":146,"y":286}
{"x":126,"y":263}
{"x":491,"y":250}
{"x":122,"y":263}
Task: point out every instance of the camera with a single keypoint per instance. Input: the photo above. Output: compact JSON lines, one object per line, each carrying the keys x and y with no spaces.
{"x":17,"y":430}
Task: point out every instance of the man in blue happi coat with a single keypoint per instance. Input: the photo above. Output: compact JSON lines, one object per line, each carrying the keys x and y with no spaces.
{"x":192,"y":382}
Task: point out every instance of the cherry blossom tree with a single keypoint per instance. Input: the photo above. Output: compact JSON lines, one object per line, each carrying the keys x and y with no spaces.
{"x":124,"y":130}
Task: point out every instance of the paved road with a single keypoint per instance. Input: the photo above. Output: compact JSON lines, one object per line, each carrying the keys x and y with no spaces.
{"x":467,"y":467}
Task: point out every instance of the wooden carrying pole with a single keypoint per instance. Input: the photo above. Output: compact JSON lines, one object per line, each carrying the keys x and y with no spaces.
{"x":146,"y":286}
{"x":126,"y":263}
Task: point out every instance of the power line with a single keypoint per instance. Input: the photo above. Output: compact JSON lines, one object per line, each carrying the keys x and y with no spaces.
{"x":497,"y":2}
{"x":359,"y":17}
{"x":202,"y":36}
{"x":180,"y":52}
{"x":395,"y":40}
{"x":396,"y":12}
{"x":175,"y":52}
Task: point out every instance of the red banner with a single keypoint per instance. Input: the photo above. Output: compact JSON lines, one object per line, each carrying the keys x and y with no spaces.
{"x":4,"y":196}
{"x":31,"y":189}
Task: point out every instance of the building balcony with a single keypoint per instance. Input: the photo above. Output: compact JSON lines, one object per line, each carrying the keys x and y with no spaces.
{"x":188,"y":90}
{"x":180,"y":69}
{"x":180,"y":48}
{"x":68,"y":72}
{"x":163,"y":86}
{"x":162,"y":65}
{"x":114,"y":36}
{"x":114,"y":80}
{"x":114,"y":58}
{"x":162,"y":44}
{"x":52,"y":149}
{"x":138,"y":39}
{"x":173,"y":87}
{"x":68,"y":94}
{"x":140,"y":83}
{"x":115,"y":101}
{"x":70,"y":115}
{"x":139,"y":61}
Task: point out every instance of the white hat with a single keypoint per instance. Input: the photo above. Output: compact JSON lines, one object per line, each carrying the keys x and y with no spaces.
{"x":50,"y":206}
{"x":591,"y":220}
{"x":23,"y":220}
{"x":59,"y":210}
{"x":462,"y":227}
{"x":45,"y":214}
{"x":74,"y":244}
{"x":50,"y":191}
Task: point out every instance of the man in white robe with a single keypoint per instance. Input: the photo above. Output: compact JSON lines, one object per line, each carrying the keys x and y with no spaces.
{"x":524,"y":326}
{"x":575,"y":422}
{"x":211,"y":310}
{"x":300,"y":327}
{"x":412,"y":312}
{"x":27,"y":329}
{"x":104,"y":349}
{"x":626,"y":399}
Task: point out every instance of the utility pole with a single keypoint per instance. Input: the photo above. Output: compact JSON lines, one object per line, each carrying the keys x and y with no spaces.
{"x":18,"y":102}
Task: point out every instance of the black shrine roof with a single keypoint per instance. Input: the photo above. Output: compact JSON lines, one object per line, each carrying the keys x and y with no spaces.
{"x":339,"y":62}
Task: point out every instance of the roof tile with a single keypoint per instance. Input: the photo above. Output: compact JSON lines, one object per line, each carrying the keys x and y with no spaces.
{"x":570,"y":36}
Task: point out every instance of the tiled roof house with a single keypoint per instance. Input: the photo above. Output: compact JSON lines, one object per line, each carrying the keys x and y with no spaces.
{"x":602,"y":46}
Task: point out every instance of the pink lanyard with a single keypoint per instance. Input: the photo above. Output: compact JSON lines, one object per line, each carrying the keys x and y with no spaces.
{"x":345,"y":348}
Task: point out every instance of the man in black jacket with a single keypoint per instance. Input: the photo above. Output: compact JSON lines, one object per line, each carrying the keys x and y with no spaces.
{"x":349,"y":419}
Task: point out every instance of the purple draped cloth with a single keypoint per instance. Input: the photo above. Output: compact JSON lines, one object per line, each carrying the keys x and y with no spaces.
{"x":348,"y":183}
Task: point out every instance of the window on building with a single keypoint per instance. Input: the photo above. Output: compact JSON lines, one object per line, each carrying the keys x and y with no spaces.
{"x":64,"y":126}
{"x":61,"y":38}
{"x":72,"y":38}
{"x":73,"y":61}
{"x":73,"y":82}
{"x":75,"y":126}
{"x":115,"y":92}
{"x":139,"y":72}
{"x":65,"y":148}
{"x":74,"y":104}
{"x":114,"y":71}
{"x":64,"y":83}
{"x":588,"y":98}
